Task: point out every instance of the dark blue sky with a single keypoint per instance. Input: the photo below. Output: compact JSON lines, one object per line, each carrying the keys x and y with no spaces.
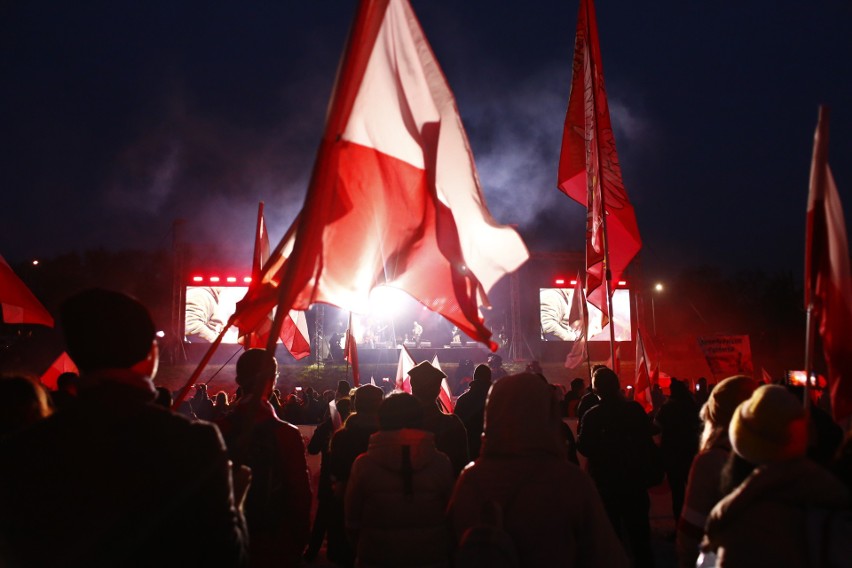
{"x":119,"y":117}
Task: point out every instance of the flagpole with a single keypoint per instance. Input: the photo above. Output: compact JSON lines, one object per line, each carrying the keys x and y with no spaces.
{"x":201,"y":365}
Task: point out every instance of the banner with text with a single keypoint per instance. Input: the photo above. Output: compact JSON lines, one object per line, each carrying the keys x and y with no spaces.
{"x":727,"y":355}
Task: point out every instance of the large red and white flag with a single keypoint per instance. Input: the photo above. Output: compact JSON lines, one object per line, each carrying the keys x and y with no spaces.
{"x":578,"y":319}
{"x":828,"y":279}
{"x":350,"y":353}
{"x":294,"y":330}
{"x":642,"y":384}
{"x":394,"y":198}
{"x":18,"y":304}
{"x":589,"y":170}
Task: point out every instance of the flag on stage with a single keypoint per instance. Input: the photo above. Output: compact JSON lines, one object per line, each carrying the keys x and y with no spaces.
{"x":394,"y":197}
{"x":578,"y":319}
{"x":642,"y":384}
{"x":18,"y":304}
{"x":406,"y":362}
{"x":294,"y":330}
{"x":589,"y":170}
{"x":350,"y":353}
{"x":445,"y":397}
{"x":828,"y":279}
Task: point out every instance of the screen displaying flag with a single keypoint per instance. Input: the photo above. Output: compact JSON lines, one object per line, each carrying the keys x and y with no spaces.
{"x":589,"y":170}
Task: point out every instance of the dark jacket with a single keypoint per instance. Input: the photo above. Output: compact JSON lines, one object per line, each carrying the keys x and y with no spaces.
{"x":470,"y":407}
{"x":116,"y":480}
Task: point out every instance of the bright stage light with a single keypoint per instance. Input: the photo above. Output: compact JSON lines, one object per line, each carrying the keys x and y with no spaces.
{"x":386,"y":301}
{"x":658,"y":287}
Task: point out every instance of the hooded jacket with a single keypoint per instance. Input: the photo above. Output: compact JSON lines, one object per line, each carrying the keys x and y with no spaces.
{"x":550,"y":507}
{"x":763,"y":522}
{"x":395,"y":501}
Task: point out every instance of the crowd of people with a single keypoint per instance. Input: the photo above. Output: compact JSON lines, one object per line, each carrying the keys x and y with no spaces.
{"x":102,"y":472}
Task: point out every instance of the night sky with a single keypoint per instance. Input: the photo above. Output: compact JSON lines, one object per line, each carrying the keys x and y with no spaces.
{"x":120,"y":117}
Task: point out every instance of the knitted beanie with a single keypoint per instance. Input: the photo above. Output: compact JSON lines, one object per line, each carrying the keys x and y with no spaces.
{"x":725,"y":397}
{"x":769,"y":427}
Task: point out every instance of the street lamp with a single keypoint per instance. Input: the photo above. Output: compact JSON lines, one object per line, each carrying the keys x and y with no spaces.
{"x":658,"y":287}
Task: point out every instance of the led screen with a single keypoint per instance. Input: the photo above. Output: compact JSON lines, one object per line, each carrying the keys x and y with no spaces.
{"x":208,"y":309}
{"x":555,"y":311}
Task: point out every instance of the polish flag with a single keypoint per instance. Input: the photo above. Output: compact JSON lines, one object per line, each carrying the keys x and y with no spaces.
{"x":350,"y":353}
{"x":62,"y":364}
{"x":294,"y":331}
{"x":394,"y":198}
{"x":405,"y":364}
{"x":445,"y":397}
{"x":642,"y":384}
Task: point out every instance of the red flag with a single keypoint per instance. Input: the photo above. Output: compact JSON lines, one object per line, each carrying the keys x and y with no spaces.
{"x":828,"y":279}
{"x":294,"y":330}
{"x":394,"y":198}
{"x":63,"y":364}
{"x":350,"y":353}
{"x":642,"y":384}
{"x":589,"y":171}
{"x":578,"y":319}
{"x":18,"y":304}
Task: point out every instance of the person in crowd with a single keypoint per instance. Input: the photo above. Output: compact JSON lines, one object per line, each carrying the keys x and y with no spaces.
{"x":588,"y":400}
{"x":23,"y":402}
{"x":470,"y":407}
{"x":658,"y":397}
{"x":346,"y":445}
{"x":572,"y":398}
{"x":679,"y":430}
{"x":312,"y":407}
{"x":164,"y":398}
{"x":703,"y":488}
{"x":201,"y":404}
{"x":496,"y":363}
{"x":220,"y":406}
{"x":824,"y":434}
{"x":780,"y":495}
{"x":278,"y":505}
{"x":66,"y":391}
{"x":463,"y":376}
{"x":614,"y":436}
{"x":343,"y":389}
{"x":115,"y":479}
{"x":449,"y":430}
{"x":277,"y":402}
{"x":549,"y":507}
{"x":293,"y":409}
{"x":319,"y":444}
{"x":398,"y":492}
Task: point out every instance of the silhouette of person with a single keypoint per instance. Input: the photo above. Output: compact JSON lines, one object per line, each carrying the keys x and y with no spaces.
{"x":470,"y":407}
{"x":120,"y":476}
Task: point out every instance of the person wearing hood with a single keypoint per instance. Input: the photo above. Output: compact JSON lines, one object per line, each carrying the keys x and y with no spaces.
{"x":398,"y":491}
{"x":549,"y":507}
{"x":765,"y":521}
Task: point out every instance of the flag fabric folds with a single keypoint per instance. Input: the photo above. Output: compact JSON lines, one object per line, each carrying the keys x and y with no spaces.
{"x":18,"y":304}
{"x":394,"y":197}
{"x":828,"y":279}
{"x":589,"y":170}
{"x":642,"y":384}
{"x":350,"y":353}
{"x":578,"y":319}
{"x":62,"y":364}
{"x":294,"y":330}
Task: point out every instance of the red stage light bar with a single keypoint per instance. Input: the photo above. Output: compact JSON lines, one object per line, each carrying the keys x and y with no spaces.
{"x":202,"y":279}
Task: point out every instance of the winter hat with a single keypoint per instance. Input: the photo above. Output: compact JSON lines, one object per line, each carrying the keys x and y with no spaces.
{"x":725,"y":397}
{"x":769,"y":427}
